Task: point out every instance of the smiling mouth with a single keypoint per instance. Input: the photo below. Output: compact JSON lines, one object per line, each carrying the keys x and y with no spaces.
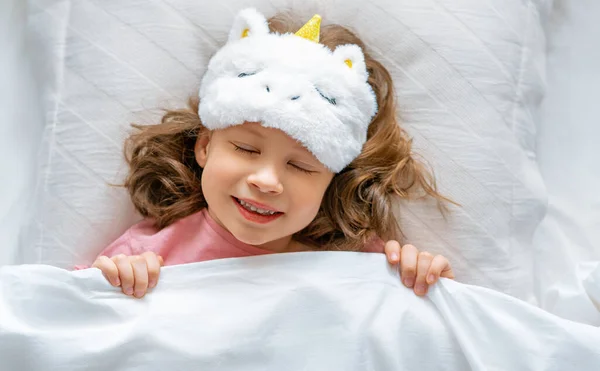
{"x":256,"y":210}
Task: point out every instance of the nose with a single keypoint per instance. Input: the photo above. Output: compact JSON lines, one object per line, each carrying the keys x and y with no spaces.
{"x":266,"y":180}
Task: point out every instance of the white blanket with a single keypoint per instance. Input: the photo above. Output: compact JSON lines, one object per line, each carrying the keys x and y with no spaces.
{"x":303,"y":311}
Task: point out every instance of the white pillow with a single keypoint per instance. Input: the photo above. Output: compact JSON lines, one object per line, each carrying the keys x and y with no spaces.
{"x":569,"y":236}
{"x":469,"y":77}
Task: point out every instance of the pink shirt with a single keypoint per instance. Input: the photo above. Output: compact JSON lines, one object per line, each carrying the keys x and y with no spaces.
{"x":195,"y":238}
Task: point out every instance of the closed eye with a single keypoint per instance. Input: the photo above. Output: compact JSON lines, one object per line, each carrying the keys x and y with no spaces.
{"x":330,"y":100}
{"x":253,"y":152}
{"x":299,"y":168}
{"x":245,"y":150}
{"x":244,"y":74}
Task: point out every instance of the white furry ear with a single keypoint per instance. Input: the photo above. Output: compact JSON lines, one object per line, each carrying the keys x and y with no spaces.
{"x":248,"y":22}
{"x":351,"y":56}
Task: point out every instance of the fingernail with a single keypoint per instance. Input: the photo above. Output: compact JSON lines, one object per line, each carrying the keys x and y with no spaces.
{"x":394,"y":256}
{"x":139,"y":294}
{"x":117,"y":282}
{"x":151,"y":284}
{"x":420,"y":288}
{"x":430,"y":278}
{"x":409,"y":282}
{"x":128,"y":291}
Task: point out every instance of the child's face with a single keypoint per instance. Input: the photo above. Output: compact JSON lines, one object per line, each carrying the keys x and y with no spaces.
{"x":265,"y":168}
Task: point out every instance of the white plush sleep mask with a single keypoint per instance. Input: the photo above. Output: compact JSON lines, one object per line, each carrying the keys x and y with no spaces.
{"x":292,"y":83}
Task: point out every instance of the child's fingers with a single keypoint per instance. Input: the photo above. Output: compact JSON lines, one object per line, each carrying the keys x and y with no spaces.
{"x":161,"y":260}
{"x":447,"y":272}
{"x":153,"y":262}
{"x":408,"y":264}
{"x":438,"y":265}
{"x":125,"y":273}
{"x":424,"y":261}
{"x":109,"y":269}
{"x":140,"y":274}
{"x":392,"y":251}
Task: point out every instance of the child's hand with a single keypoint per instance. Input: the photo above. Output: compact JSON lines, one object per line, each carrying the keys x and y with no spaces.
{"x":135,"y":274}
{"x":418,"y":269}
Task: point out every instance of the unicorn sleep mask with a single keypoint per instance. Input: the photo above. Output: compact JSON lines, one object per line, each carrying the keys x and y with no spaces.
{"x":292,"y":83}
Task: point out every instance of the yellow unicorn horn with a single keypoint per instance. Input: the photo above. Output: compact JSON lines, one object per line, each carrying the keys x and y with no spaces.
{"x":311,"y":29}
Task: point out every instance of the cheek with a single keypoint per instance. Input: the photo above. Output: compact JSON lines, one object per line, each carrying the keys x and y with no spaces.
{"x":308,"y":196}
{"x":220,"y":172}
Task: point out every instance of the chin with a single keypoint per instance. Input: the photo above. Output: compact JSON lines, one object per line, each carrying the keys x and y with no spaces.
{"x":254,"y":240}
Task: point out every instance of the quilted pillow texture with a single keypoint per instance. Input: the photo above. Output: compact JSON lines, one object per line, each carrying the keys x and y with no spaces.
{"x":469,"y":77}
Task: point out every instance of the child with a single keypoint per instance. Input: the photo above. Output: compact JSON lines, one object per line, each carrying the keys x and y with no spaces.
{"x":292,"y":146}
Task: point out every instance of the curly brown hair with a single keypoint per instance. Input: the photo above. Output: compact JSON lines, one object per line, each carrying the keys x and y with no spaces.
{"x":164,"y":180}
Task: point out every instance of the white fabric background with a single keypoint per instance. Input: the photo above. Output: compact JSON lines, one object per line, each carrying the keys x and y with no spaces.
{"x":450,"y":68}
{"x":21,"y":125}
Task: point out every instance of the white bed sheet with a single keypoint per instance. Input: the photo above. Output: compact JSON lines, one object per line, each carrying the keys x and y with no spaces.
{"x":568,"y":156}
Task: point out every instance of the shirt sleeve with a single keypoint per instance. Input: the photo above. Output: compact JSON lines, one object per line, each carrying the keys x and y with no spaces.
{"x":125,"y":244}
